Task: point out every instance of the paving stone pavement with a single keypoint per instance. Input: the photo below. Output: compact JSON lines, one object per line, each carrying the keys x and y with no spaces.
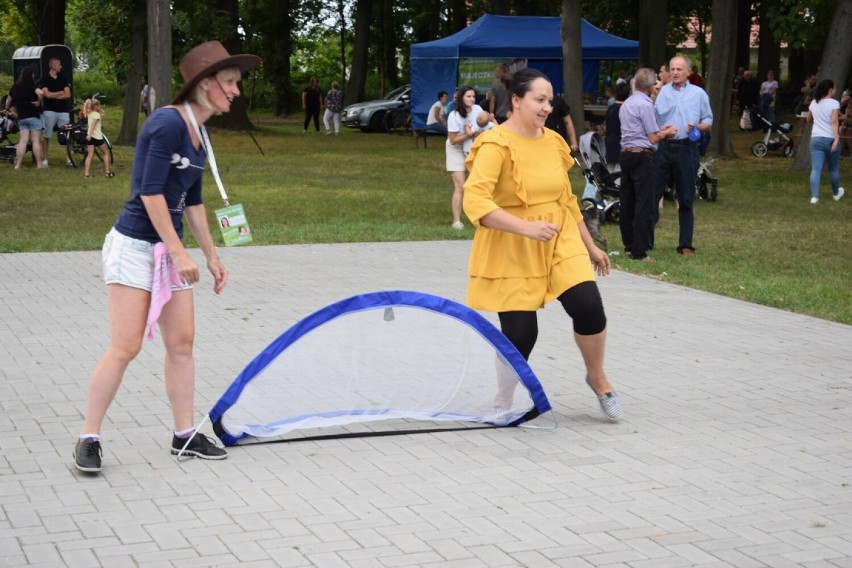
{"x":736,"y":449}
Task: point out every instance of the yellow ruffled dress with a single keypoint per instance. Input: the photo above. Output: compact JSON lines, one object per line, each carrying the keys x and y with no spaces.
{"x":527,"y":178}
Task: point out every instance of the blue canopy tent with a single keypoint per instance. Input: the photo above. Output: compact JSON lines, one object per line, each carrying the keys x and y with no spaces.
{"x":435,"y":64}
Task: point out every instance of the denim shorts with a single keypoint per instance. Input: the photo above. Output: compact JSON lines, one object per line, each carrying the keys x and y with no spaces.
{"x":31,"y":123}
{"x":54,"y":119}
{"x":130,"y":262}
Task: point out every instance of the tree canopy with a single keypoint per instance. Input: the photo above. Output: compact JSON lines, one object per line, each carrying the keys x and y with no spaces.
{"x":363,"y":44}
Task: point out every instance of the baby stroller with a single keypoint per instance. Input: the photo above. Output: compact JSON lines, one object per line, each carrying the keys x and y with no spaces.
{"x":780,"y":130}
{"x":8,"y":142}
{"x":600,"y":199}
{"x":602,"y":179}
{"x":707,"y":184}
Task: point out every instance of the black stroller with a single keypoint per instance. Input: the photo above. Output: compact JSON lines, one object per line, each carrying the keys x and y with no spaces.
{"x":706,"y":183}
{"x":780,"y":141}
{"x":601,"y":176}
{"x":600,"y":200}
{"x":8,"y":138}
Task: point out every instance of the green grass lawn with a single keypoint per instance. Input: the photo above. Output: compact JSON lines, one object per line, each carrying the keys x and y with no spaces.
{"x":761,"y":241}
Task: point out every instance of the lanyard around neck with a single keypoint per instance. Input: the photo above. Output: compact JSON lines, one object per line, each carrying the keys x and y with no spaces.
{"x":205,"y":143}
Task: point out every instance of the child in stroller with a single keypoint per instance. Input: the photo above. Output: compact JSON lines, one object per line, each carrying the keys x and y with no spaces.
{"x":781,"y":140}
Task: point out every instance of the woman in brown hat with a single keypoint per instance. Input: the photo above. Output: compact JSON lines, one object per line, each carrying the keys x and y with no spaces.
{"x":148,"y":272}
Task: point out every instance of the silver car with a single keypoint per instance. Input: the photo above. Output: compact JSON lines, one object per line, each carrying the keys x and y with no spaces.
{"x":370,"y":115}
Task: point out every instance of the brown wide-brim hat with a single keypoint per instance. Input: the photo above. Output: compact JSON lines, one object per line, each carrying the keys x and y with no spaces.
{"x":207,"y":59}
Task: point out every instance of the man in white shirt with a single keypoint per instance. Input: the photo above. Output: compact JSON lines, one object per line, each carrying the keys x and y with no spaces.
{"x":436,"y":120}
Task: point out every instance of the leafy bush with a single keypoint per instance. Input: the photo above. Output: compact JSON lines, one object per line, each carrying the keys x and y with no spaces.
{"x":6,"y":83}
{"x":87,"y":83}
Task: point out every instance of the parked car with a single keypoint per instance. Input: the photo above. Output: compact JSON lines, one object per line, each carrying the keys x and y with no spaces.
{"x":370,"y":115}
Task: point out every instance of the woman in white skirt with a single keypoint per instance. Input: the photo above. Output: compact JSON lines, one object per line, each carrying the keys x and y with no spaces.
{"x":461,"y":130}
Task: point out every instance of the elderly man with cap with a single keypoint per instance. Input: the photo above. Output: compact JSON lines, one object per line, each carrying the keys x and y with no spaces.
{"x":145,"y":263}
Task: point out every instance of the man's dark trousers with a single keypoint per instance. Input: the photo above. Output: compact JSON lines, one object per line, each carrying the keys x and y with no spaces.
{"x":678,"y":159}
{"x":637,"y":200}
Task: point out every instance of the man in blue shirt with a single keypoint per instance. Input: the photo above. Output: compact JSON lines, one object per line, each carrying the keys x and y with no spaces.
{"x":687,"y":108}
{"x":639,"y":137}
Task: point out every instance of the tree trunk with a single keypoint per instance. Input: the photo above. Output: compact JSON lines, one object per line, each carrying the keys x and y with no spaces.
{"x":237,"y":118}
{"x":47,"y":18}
{"x":701,"y":39}
{"x":836,"y":59}
{"x":341,"y":14}
{"x":160,"y":52}
{"x":358,"y":76}
{"x":721,"y":76}
{"x":652,"y":43}
{"x":769,"y":50}
{"x":796,"y":67}
{"x":837,"y":56}
{"x":50,"y":17}
{"x":802,"y":161}
{"x":501,"y":7}
{"x":743,"y":52}
{"x":390,"y":69}
{"x":801,"y":63}
{"x":458,"y":15}
{"x":572,"y":63}
{"x":435,"y":20}
{"x":272,"y":23}
{"x":132,"y":96}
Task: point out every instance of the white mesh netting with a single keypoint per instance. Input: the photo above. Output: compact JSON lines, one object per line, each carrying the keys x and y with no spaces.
{"x":402,"y":363}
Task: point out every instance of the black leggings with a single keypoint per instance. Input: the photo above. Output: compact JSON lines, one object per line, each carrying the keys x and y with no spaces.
{"x":582,"y":302}
{"x":312,"y":112}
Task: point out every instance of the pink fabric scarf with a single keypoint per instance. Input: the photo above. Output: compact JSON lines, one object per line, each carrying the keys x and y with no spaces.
{"x":165,"y":276}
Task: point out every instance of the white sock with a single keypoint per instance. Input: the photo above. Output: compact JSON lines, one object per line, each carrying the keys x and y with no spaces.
{"x":185,"y":433}
{"x":95,"y":437}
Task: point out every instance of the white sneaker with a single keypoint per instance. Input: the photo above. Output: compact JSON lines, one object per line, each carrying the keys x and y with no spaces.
{"x":840,"y":192}
{"x":814,"y":200}
{"x":458,"y":225}
{"x":44,"y":163}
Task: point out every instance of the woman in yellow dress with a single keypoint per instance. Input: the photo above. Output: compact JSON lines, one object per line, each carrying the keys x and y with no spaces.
{"x":531,"y":245}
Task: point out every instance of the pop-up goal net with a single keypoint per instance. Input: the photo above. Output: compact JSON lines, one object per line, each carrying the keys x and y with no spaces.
{"x":385,"y":362}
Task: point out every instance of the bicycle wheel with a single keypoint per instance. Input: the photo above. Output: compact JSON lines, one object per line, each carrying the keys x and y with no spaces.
{"x":75,"y":152}
{"x":396,"y":122}
{"x":405,"y":125}
{"x":401,"y":121}
{"x":107,"y":147}
{"x":389,"y":121}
